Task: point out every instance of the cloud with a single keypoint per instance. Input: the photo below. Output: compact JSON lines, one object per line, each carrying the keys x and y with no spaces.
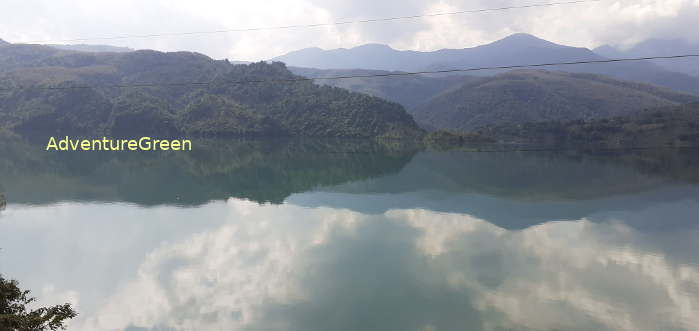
{"x":283,"y":267}
{"x":589,"y":24}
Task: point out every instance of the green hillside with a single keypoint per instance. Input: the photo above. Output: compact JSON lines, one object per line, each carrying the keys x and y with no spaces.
{"x":411,"y":91}
{"x":221,"y":107}
{"x":536,"y":95}
{"x":674,"y":126}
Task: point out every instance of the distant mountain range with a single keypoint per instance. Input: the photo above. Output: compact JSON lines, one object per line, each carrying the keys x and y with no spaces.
{"x":85,"y":48}
{"x":273,"y":108}
{"x":93,"y":48}
{"x":518,"y":49}
{"x":654,"y":47}
{"x":520,"y":96}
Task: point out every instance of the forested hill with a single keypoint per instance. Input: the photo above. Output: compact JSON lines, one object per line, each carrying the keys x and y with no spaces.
{"x":411,"y":91}
{"x":668,"y":126}
{"x":527,"y":96}
{"x":222,"y":108}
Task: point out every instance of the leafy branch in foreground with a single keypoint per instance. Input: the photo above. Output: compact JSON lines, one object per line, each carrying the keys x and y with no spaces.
{"x":16,"y":316}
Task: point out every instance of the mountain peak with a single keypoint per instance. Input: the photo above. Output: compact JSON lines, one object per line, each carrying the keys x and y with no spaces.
{"x":2,"y":42}
{"x":309,"y":50}
{"x":607,"y":51}
{"x":524,"y":40}
{"x":374,"y":47}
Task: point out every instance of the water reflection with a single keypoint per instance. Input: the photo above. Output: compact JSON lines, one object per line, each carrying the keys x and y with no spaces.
{"x":284,"y":267}
{"x":259,"y":170}
{"x":252,"y":235}
{"x":517,"y":190}
{"x":273,"y":170}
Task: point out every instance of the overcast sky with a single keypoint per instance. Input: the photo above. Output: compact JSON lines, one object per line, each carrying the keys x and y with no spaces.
{"x":586,"y":25}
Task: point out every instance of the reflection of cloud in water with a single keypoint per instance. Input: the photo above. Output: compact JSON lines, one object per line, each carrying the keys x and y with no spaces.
{"x":291,"y":268}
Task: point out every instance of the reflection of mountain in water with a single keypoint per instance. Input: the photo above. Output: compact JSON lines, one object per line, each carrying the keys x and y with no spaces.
{"x":538,"y":176}
{"x":272,"y":170}
{"x":259,"y":170}
{"x":521,"y":189}
{"x":243,"y":266}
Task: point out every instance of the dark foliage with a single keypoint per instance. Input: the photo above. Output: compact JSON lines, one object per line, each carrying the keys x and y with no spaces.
{"x":16,"y":316}
{"x":446,"y":139}
{"x":674,"y":126}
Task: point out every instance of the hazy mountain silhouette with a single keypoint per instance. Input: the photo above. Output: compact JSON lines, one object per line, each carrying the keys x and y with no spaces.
{"x":468,"y":102}
{"x":93,"y":48}
{"x":655,"y":47}
{"x":411,"y":91}
{"x":383,"y":57}
{"x":370,"y":56}
{"x":517,"y":49}
{"x":536,"y":95}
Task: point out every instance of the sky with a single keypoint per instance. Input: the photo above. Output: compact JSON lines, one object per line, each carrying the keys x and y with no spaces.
{"x":616,"y":22}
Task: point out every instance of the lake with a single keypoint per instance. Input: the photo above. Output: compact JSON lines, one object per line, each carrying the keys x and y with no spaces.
{"x":355,"y":235}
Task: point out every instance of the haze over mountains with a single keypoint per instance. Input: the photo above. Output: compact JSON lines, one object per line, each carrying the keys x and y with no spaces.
{"x":464,"y":102}
{"x":93,"y":48}
{"x":411,"y":91}
{"x":518,"y":49}
{"x":526,"y":96}
{"x":506,"y":51}
{"x":654,"y":47}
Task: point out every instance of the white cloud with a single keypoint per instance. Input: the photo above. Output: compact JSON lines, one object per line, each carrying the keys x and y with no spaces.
{"x":589,"y":25}
{"x":264,"y":260}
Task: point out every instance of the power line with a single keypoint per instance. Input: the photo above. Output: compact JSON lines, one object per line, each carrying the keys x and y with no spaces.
{"x":389,"y":74}
{"x":300,"y":26}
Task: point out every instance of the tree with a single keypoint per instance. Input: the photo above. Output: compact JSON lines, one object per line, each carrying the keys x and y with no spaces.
{"x":16,"y":316}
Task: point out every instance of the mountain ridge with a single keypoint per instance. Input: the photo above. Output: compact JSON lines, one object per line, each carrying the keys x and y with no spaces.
{"x":269,"y":107}
{"x":92,"y":48}
{"x":517,"y":49}
{"x":657,"y":46}
{"x":524,"y":96}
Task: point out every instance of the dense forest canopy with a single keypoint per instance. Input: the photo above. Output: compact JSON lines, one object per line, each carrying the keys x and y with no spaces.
{"x":220,"y":107}
{"x":670,"y":126}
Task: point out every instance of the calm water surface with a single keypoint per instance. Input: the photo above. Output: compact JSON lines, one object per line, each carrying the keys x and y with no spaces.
{"x":353,"y":235}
